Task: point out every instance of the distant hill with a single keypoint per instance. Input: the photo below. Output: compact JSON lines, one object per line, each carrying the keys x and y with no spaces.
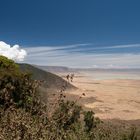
{"x":51,"y":80}
{"x":53,"y":83}
{"x":61,"y":69}
{"x":56,"y":69}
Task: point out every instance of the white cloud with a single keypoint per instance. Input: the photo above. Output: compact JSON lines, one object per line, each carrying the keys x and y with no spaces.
{"x":64,"y":57}
{"x":122,"y":46}
{"x":99,"y":48}
{"x":45,"y":49}
{"x":73,"y":56}
{"x":12,"y":52}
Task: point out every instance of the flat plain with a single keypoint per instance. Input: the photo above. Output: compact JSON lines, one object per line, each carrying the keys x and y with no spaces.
{"x":110,"y":94}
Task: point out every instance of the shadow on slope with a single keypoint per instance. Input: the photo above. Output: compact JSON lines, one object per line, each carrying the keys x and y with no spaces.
{"x":51,"y":80}
{"x":52,"y":83}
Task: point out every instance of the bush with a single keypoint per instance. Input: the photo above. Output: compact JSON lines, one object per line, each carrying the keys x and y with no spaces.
{"x":6,"y":63}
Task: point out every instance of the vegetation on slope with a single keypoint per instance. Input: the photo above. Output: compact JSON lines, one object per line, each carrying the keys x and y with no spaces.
{"x":23,"y":115}
{"x":52,"y":80}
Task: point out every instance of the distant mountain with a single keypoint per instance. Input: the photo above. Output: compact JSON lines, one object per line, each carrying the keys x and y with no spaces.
{"x":129,"y":70}
{"x":56,"y":69}
{"x":60,"y":69}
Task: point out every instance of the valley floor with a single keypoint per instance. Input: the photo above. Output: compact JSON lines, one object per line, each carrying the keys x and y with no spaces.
{"x":109,"y":99}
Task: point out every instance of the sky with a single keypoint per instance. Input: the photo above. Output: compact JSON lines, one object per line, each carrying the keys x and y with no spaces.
{"x":73,"y":33}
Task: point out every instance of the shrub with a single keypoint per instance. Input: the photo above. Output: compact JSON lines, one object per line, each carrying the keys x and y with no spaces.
{"x":6,"y":63}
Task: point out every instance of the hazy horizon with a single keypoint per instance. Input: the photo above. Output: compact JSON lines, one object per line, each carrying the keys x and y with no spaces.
{"x":86,"y":68}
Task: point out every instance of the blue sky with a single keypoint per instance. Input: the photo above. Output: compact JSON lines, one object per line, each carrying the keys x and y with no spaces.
{"x":75,"y":33}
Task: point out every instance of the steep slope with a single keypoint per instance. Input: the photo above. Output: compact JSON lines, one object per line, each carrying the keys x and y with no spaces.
{"x":51,"y":80}
{"x":52,"y":84}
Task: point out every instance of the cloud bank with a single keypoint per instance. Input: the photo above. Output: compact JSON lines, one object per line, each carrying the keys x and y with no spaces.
{"x":12,"y":52}
{"x":85,"y":56}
